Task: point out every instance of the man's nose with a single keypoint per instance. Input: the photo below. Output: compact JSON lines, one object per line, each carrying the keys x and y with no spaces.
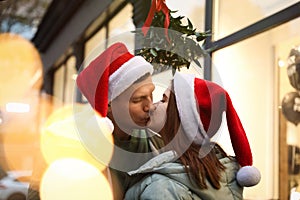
{"x":149,"y":106}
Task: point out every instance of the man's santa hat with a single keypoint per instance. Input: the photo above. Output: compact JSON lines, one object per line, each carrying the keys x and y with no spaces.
{"x":201,"y":118}
{"x":110,"y":74}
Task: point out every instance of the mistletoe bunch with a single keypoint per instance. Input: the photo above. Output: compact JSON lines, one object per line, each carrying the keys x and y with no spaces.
{"x":174,"y":46}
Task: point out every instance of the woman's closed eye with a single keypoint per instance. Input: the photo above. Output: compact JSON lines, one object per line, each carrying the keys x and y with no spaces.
{"x":164,"y":98}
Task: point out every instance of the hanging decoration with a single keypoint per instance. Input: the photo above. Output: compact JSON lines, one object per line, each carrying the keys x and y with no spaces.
{"x":291,"y":107}
{"x":166,"y":42}
{"x":293,"y":69}
{"x":157,"y":6}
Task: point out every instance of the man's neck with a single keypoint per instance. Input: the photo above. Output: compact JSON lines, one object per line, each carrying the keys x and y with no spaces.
{"x":120,"y":134}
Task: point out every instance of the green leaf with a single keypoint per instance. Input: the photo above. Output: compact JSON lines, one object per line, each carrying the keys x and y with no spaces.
{"x":153,"y":52}
{"x":190,"y":25}
{"x":198,"y":63}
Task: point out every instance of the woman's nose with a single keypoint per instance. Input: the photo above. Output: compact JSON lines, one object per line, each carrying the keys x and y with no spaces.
{"x":152,"y":108}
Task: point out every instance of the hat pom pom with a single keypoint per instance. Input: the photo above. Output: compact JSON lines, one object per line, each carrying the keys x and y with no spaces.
{"x":248,"y":176}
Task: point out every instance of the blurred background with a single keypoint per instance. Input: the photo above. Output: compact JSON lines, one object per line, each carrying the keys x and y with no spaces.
{"x":45,"y":43}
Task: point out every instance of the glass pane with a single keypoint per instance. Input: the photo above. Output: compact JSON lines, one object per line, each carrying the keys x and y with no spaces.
{"x":122,"y":22}
{"x":249,"y":72}
{"x":70,"y":80}
{"x":234,"y":15}
{"x":58,"y":87}
{"x":94,"y":43}
{"x":121,"y":26}
{"x":195,"y":12}
{"x":288,"y":57}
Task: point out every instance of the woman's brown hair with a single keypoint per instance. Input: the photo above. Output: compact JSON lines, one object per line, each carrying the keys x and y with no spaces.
{"x":199,"y":169}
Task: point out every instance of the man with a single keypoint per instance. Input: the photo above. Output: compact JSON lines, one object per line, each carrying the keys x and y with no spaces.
{"x":118,"y":85}
{"x":131,"y":109}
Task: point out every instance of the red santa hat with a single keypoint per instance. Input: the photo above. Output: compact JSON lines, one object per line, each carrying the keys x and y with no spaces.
{"x":201,"y":118}
{"x":110,"y":74}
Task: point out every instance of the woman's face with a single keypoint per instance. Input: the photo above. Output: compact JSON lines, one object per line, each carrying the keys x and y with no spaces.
{"x":159,"y":115}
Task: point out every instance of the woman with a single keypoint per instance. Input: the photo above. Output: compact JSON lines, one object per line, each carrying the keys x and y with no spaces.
{"x":190,"y":166}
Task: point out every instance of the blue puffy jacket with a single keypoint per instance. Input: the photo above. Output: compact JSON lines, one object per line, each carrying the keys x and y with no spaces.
{"x":168,"y":180}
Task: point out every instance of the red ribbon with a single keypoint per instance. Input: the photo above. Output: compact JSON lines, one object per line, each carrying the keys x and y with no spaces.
{"x":157,"y":5}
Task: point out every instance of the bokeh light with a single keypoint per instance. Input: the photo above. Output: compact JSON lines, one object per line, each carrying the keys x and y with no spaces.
{"x":21,"y":78}
{"x":61,"y":136}
{"x":72,"y":179}
{"x":20,"y":131}
{"x":21,"y":68}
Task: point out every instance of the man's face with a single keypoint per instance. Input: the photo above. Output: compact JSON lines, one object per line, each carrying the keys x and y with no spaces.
{"x":131,"y":108}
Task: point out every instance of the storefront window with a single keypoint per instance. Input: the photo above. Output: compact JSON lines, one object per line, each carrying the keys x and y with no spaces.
{"x":58,"y":86}
{"x":288,"y":55}
{"x":64,"y":82}
{"x":250,"y":73}
{"x":94,"y":43}
{"x":120,"y":28}
{"x":234,"y":15}
{"x":70,"y":78}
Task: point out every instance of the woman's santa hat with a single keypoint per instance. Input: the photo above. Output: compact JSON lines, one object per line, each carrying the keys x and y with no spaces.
{"x":110,"y":74}
{"x":210,"y":101}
